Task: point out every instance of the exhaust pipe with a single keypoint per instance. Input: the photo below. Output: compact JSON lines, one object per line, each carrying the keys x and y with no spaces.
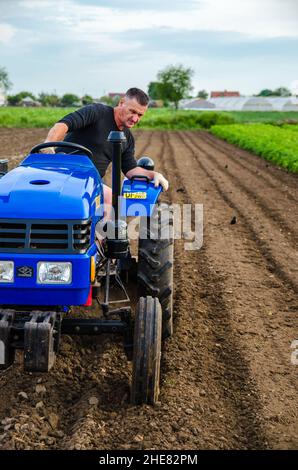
{"x":116,"y":138}
{"x":117,"y":246}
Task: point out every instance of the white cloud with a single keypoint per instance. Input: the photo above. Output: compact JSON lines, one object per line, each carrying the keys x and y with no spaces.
{"x":114,"y":48}
{"x":265,"y":19}
{"x":7,"y":32}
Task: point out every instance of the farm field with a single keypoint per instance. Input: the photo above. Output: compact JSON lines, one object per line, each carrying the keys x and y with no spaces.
{"x":277,"y":144}
{"x":227,"y":377}
{"x":163,"y":118}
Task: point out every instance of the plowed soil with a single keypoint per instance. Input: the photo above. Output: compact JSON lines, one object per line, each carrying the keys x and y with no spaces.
{"x":227,"y":377}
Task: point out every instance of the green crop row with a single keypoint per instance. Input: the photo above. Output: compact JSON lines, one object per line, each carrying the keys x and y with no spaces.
{"x":161,"y":119}
{"x":265,"y":117}
{"x":183,"y":120}
{"x":290,"y":127}
{"x":277,"y":144}
{"x":31,"y":117}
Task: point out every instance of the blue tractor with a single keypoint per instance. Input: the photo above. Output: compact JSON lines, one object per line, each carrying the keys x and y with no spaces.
{"x":51,"y":259}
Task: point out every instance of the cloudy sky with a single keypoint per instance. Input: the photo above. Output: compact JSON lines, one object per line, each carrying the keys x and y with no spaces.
{"x":98,"y":46}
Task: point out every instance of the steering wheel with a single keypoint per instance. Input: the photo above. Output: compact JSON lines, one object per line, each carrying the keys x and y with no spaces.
{"x":74,"y":146}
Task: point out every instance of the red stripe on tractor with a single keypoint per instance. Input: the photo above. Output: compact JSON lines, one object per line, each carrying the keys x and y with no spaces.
{"x":89,"y":299}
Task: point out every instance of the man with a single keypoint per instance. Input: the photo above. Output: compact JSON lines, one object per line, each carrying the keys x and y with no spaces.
{"x":90,"y":126}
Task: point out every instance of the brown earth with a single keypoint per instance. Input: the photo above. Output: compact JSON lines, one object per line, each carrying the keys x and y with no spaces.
{"x":227,"y":377}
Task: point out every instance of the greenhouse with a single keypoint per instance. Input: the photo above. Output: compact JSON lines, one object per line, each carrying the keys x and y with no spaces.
{"x":288,"y":103}
{"x":243,"y":103}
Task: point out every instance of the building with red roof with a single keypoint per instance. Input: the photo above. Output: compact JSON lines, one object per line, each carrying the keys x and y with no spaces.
{"x":224,"y":94}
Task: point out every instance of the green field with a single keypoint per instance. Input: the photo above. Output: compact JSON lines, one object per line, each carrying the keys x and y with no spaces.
{"x":161,"y":119}
{"x":266,"y":117}
{"x":267,"y":134}
{"x":290,"y":127}
{"x":31,"y":117}
{"x":277,"y":144}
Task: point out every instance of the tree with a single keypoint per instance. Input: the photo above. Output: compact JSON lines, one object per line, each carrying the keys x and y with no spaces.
{"x":5,"y":83}
{"x":155,"y":90}
{"x":69,"y":99}
{"x":14,"y":100}
{"x":87,"y":99}
{"x":265,"y":92}
{"x":175,"y":83}
{"x":109,"y":100}
{"x":202,"y":94}
{"x":47,"y":99}
{"x":282,"y":91}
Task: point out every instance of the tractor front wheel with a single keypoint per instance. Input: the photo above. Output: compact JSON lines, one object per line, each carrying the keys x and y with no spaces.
{"x":146,"y":352}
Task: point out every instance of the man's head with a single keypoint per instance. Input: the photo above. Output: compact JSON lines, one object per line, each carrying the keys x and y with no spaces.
{"x":131,"y":108}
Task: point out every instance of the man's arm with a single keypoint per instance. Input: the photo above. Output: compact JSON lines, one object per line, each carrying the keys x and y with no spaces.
{"x":56,"y":134}
{"x":158,"y":178}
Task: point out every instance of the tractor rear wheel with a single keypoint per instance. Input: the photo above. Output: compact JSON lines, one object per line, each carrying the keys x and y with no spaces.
{"x":155,"y":262}
{"x":146,"y":352}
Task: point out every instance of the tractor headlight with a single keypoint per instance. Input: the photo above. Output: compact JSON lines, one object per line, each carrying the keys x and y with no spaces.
{"x":54,"y":273}
{"x":6,"y":271}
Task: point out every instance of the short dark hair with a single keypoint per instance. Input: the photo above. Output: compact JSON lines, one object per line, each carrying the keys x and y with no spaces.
{"x":139,"y":95}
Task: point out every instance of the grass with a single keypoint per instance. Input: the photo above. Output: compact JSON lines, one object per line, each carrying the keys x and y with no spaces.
{"x":31,"y":117}
{"x":160,"y":119}
{"x":266,"y":117}
{"x":277,"y":144}
{"x":272,"y":135}
{"x":169,"y":119}
{"x":290,"y":127}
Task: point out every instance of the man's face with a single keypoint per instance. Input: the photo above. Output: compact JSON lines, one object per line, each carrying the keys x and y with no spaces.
{"x":130,"y":112}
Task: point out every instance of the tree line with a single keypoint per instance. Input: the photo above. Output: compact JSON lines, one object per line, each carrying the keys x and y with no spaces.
{"x":172,"y":85}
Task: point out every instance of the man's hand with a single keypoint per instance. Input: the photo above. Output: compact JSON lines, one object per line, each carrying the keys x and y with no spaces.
{"x":159,"y":179}
{"x":47,"y":150}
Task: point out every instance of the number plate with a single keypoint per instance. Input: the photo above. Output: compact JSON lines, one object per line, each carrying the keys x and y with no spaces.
{"x":138,"y":195}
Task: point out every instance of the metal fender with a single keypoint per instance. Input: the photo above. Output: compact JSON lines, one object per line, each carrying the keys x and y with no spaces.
{"x":138,"y":197}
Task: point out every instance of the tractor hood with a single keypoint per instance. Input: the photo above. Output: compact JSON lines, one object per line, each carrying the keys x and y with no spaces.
{"x":50,"y":187}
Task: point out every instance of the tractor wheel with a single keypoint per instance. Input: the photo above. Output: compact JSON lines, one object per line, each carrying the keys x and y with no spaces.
{"x":155,"y":262}
{"x":146,"y":352}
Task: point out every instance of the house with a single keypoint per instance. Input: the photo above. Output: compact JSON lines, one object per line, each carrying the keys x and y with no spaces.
{"x":155,"y":104}
{"x":114,"y":95}
{"x":224,"y":94}
{"x":29,"y":102}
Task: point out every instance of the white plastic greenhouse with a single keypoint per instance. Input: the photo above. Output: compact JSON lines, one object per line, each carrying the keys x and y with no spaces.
{"x":244,"y":103}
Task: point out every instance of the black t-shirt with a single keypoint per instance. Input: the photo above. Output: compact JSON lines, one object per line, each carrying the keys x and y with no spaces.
{"x":90,"y":126}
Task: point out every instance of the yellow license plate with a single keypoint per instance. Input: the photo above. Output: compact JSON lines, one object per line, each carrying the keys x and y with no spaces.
{"x":139,"y":195}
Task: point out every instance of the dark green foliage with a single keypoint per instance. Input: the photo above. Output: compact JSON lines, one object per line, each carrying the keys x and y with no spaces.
{"x":155,"y":91}
{"x":183,"y":120}
{"x":202,"y":94}
{"x":69,"y":99}
{"x":175,"y":83}
{"x":277,"y":144}
{"x":14,"y":100}
{"x":87,"y":99}
{"x":47,"y":99}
